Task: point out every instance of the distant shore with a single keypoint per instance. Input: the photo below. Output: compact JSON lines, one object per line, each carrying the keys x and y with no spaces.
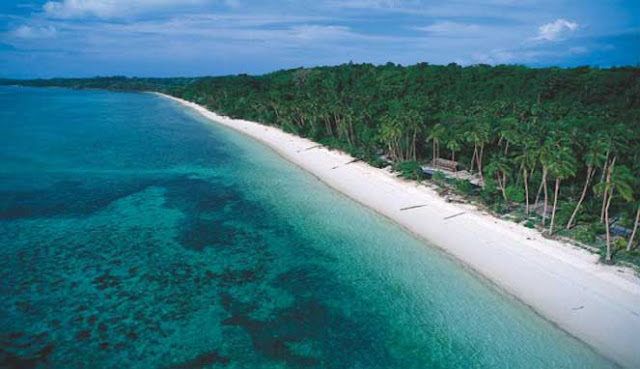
{"x":598,"y":304}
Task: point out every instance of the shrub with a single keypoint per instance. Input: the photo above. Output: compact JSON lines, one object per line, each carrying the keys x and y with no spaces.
{"x":563,"y":213}
{"x":464,"y":186}
{"x":410,"y":170}
{"x":597,"y":228}
{"x":585,"y":235}
{"x":438,"y":177}
{"x":515,"y":193}
{"x":489,"y":192}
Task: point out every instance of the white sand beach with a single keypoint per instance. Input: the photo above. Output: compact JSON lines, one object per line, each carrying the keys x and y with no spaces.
{"x":596,"y":303}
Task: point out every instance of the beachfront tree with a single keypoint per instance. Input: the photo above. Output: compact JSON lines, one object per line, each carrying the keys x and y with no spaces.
{"x":500,"y":168}
{"x":618,"y":181}
{"x":390,"y":134}
{"x":634,"y":231}
{"x":436,"y":136}
{"x":453,"y":144}
{"x":478,"y":134}
{"x":526,"y":159}
{"x":545,"y":157}
{"x":593,"y":159}
{"x":507,"y":132}
{"x":637,"y":192}
{"x":562,"y":166}
{"x":615,"y":144}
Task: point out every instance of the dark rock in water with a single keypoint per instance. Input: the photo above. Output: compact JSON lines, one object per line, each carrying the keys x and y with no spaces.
{"x":102,"y":327}
{"x":106,"y":281}
{"x":16,"y":335}
{"x":13,"y":361}
{"x":83,"y":335}
{"x":132,"y":336}
{"x":104,"y":345}
{"x":205,"y":360}
{"x":240,"y":277}
{"x":210,"y":275}
{"x":92,"y":319}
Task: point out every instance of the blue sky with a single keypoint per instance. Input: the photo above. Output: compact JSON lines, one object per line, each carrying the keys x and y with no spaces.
{"x":81,"y":38}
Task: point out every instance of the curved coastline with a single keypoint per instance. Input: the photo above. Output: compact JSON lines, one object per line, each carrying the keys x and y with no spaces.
{"x":599,"y":305}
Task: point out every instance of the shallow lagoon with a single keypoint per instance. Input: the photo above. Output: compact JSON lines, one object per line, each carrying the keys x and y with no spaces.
{"x":134,"y":234}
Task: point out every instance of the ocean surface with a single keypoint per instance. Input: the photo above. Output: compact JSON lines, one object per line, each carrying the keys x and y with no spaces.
{"x":134,"y":234}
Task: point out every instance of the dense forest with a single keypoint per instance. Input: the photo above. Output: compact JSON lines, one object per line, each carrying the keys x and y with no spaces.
{"x":557,"y":149}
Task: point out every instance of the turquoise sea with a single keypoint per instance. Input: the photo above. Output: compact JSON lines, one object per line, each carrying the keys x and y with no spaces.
{"x":133,"y":234}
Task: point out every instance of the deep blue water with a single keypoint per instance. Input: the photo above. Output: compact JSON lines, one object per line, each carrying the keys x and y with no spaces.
{"x":133,"y":234}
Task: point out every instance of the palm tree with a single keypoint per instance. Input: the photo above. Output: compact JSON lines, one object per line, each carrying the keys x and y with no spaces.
{"x":436,"y":135}
{"x":507,"y":132}
{"x":501,"y":168}
{"x":561,"y":167}
{"x":412,"y":124}
{"x":615,"y":142}
{"x":544,"y":156}
{"x":390,"y":135}
{"x":527,"y":160}
{"x":635,"y":223}
{"x":635,"y":229}
{"x":479,"y":135}
{"x":453,"y":144}
{"x":594,"y":159}
{"x":618,"y":180}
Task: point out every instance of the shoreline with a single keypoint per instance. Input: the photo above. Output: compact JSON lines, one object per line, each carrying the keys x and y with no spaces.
{"x":598,"y":304}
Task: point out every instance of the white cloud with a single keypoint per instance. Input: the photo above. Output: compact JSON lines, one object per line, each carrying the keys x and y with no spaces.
{"x":556,"y":30}
{"x":34,"y":32}
{"x":367,"y":4}
{"x":578,"y":50}
{"x":110,"y":8}
{"x":447,"y":28}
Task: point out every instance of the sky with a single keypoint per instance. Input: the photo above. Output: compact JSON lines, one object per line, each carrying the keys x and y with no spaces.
{"x":85,"y":38}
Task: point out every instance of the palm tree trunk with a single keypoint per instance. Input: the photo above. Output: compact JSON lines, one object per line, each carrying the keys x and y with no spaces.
{"x":604,"y":205}
{"x":546,"y":197}
{"x":555,"y":204}
{"x":473,"y":157}
{"x":479,"y":163}
{"x":433,"y":160}
{"x":635,"y":229}
{"x":504,"y":186}
{"x":604,"y":193}
{"x":413,"y":144}
{"x":526,"y":191}
{"x":606,"y":217}
{"x":590,"y":172}
{"x":535,"y":204}
{"x":608,"y":192}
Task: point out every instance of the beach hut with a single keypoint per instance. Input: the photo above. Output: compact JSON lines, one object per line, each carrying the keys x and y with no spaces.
{"x":445,"y":164}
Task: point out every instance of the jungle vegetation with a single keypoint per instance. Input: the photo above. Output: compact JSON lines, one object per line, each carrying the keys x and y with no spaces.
{"x":558,"y":149}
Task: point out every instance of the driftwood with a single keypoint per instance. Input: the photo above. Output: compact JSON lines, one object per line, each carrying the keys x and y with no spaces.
{"x":413,"y":207}
{"x":453,"y":216}
{"x":347,"y":163}
{"x":310,"y":148}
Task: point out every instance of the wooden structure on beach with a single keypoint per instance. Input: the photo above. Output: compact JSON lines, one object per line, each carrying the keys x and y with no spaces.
{"x":444,"y":164}
{"x":449,"y":169}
